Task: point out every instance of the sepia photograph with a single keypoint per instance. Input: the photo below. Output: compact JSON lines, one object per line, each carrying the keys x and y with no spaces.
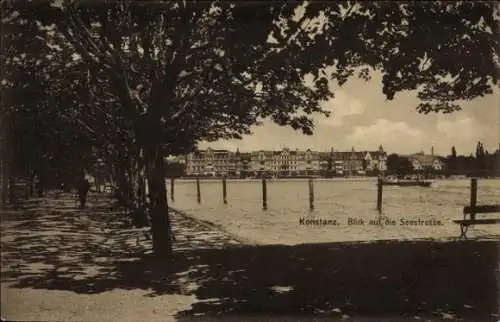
{"x":249,"y":160}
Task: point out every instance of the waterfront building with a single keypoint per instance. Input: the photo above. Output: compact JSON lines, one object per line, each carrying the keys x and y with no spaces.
{"x":354,"y":162}
{"x":211,"y":162}
{"x":376,"y":160}
{"x":283,"y":163}
{"x":421,"y":161}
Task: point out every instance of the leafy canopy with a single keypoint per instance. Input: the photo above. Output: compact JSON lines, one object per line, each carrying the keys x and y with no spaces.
{"x":181,"y":72}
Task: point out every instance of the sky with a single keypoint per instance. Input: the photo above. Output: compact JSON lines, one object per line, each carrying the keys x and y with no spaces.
{"x":362,"y":118}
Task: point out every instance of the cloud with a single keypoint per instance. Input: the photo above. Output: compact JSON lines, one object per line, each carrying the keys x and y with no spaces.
{"x":342,"y":106}
{"x":464,"y":129}
{"x":394,"y":136}
{"x":269,"y":136}
{"x":394,"y":124}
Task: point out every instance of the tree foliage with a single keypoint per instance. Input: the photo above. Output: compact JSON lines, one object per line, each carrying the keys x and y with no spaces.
{"x":40,"y":115}
{"x":210,"y":70}
{"x":399,"y":165}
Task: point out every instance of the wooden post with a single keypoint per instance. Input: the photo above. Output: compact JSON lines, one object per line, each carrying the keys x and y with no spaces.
{"x":311,"y":195}
{"x":379,"y":195}
{"x":172,"y":187}
{"x":473,"y":197}
{"x":224,"y":190}
{"x":264,"y":194}
{"x":198,"y":192}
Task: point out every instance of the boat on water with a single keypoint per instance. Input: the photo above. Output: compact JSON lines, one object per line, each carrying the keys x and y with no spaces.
{"x":406,"y":182}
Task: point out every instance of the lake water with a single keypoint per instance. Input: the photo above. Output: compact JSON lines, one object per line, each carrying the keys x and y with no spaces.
{"x":335,"y":200}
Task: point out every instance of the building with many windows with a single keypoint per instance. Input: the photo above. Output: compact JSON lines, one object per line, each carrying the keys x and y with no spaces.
{"x":376,"y":160}
{"x":421,"y":161}
{"x":283,"y":163}
{"x":211,"y":163}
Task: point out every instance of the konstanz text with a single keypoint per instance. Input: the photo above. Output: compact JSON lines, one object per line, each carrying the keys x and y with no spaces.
{"x":317,"y":221}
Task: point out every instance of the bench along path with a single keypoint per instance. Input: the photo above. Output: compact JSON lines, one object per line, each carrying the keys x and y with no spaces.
{"x":471,"y":211}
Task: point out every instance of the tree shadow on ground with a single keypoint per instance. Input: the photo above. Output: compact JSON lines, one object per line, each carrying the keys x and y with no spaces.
{"x":453,"y":279}
{"x":55,"y":246}
{"x":439,"y":279}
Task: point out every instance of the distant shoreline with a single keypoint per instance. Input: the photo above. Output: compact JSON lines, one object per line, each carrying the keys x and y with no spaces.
{"x":353,"y":178}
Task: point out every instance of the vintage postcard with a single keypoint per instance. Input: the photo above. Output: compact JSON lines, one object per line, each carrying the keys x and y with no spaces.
{"x":249,"y":161}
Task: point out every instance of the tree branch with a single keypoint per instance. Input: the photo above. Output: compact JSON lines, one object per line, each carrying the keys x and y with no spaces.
{"x":283,"y":41}
{"x":87,"y":37}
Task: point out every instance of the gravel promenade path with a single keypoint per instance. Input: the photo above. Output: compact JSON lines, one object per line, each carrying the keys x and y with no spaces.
{"x":66,"y":264}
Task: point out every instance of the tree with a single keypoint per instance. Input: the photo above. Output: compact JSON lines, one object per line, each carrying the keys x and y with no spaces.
{"x":177,"y":73}
{"x":479,"y":150}
{"x":405,"y":166}
{"x":392,"y":162}
{"x":57,"y":131}
{"x":329,"y":164}
{"x":365,"y":164}
{"x":493,"y":164}
{"x":175,"y":169}
{"x":399,"y":165}
{"x":39,"y":124}
{"x":451,"y":162}
{"x":480,"y":164}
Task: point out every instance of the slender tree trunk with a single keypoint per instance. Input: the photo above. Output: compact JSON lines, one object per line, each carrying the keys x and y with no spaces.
{"x":139,"y":182}
{"x":141,"y":193}
{"x":12,"y":192}
{"x":123,"y":189}
{"x":27,"y":186}
{"x":5,"y":180}
{"x":41,"y":184}
{"x":160,"y":220}
{"x":131,"y":183}
{"x":142,"y":189}
{"x":31,"y":184}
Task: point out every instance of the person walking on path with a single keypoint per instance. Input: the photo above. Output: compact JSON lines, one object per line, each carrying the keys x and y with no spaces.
{"x":83,"y":189}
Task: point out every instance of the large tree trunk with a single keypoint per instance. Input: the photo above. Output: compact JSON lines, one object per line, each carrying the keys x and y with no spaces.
{"x":160,"y":220}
